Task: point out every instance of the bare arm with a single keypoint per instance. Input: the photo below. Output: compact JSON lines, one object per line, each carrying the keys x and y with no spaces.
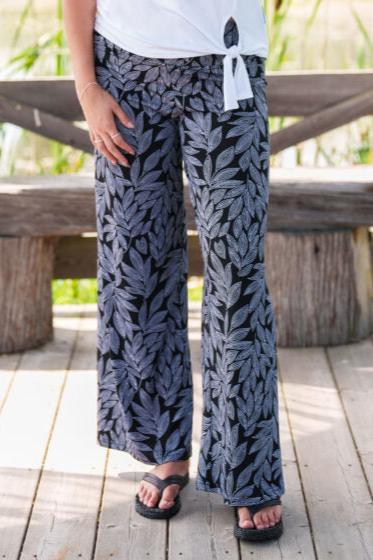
{"x":98,"y":105}
{"x":79,"y":19}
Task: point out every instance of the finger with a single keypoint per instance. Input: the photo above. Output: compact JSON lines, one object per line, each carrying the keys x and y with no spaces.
{"x":105,"y":152}
{"x":118,"y":140}
{"x":94,"y":136}
{"x":111,"y":147}
{"x":123,"y":117}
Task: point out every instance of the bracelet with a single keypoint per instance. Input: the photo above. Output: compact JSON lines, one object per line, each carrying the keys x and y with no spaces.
{"x":80,"y":95}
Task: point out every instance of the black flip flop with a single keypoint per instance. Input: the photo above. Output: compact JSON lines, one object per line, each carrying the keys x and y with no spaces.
{"x":268,"y":533}
{"x":161,"y":483}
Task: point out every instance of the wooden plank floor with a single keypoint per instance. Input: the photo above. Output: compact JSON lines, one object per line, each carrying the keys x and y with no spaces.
{"x":64,"y":497}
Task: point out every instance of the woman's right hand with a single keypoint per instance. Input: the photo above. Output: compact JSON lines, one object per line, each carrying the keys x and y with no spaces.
{"x":99,"y":108}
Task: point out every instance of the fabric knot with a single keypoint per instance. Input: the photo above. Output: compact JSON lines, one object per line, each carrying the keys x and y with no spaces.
{"x":236,"y":84}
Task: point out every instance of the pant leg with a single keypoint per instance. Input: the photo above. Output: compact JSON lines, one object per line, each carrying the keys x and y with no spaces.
{"x":143,"y":355}
{"x":226,"y":156}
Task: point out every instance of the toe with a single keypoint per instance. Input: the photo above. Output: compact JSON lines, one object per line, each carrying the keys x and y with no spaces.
{"x":145,"y":496}
{"x":278,"y":514}
{"x":258,"y":520}
{"x":148,"y":497}
{"x":272,"y":518}
{"x":245,"y":518}
{"x":153,"y":499}
{"x":168,"y":496}
{"x":140,"y":491}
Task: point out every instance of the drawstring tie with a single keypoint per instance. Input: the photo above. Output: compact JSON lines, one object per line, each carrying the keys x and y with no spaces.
{"x":237,"y":85}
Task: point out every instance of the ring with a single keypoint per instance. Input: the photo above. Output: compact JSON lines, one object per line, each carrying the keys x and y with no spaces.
{"x":98,"y":141}
{"x":115,"y":134}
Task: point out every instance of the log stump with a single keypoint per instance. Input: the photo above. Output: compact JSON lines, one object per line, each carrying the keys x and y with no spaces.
{"x":25,"y":292}
{"x":321,"y":283}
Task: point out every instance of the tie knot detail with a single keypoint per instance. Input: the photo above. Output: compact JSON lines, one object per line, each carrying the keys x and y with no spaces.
{"x":233,"y":51}
{"x":237,"y":83}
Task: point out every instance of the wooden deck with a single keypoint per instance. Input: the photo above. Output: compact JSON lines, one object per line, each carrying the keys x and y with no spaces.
{"x":65,"y":497}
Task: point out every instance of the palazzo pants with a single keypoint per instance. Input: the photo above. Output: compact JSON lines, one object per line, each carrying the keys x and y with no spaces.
{"x":145,"y":390}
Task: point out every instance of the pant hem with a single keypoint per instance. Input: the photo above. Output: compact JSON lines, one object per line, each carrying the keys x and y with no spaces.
{"x":235,"y":501}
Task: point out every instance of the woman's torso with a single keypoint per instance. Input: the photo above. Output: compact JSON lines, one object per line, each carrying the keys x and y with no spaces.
{"x":181,"y":28}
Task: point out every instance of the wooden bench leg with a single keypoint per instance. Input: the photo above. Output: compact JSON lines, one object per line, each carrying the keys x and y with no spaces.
{"x":321,"y":285}
{"x":26,"y":271}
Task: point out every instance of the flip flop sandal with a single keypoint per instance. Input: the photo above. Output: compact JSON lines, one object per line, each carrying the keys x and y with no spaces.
{"x":161,"y":483}
{"x":253,"y":534}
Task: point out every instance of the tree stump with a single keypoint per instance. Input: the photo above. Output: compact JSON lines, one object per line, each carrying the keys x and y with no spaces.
{"x":321,"y":283}
{"x":25,"y":292}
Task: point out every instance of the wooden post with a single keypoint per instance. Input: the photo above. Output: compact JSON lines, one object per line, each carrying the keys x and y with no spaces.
{"x":25,"y":292}
{"x":321,"y":285}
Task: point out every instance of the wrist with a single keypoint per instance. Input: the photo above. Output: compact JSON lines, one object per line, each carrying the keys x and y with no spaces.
{"x":82,"y":89}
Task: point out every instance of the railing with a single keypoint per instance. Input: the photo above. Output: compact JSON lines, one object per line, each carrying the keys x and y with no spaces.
{"x":318,"y":249}
{"x":325,"y":100}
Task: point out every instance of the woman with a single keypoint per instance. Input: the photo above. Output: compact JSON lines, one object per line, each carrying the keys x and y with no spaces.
{"x":165,"y":83}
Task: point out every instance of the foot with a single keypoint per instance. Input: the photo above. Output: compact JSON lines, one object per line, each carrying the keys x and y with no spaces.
{"x":150,"y":494}
{"x":266,"y":517}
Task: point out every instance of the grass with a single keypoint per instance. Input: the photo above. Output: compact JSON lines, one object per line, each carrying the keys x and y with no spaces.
{"x":68,"y":291}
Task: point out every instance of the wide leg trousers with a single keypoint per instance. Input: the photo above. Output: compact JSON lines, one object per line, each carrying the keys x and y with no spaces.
{"x":145,"y":390}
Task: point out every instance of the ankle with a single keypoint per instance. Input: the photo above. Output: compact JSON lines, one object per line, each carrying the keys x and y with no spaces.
{"x":174,"y":466}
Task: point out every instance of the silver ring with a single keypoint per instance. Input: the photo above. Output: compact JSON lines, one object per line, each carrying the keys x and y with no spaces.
{"x":115,"y":134}
{"x":98,"y":141}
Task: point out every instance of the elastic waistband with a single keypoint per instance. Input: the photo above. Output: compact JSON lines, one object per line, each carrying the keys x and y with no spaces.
{"x":255,"y":63}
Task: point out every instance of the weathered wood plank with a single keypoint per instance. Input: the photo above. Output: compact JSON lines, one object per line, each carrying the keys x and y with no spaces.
{"x":337,"y":496}
{"x":338,"y":499}
{"x":26,"y":423}
{"x":303,"y":93}
{"x":352,"y":366}
{"x":69,"y":203}
{"x":55,"y":95}
{"x":321,"y":286}
{"x":122,"y":532}
{"x":25,"y":292}
{"x":290,"y":93}
{"x":8,"y":365}
{"x":76,"y":256}
{"x":323,"y":120}
{"x":45,"y":124}
{"x":65,"y":510}
{"x":64,"y":205}
{"x":296,"y":540}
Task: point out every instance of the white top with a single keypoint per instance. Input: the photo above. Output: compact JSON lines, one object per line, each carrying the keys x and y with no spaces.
{"x":184,"y":28}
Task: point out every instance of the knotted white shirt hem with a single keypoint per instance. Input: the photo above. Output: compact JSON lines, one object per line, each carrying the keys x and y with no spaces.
{"x":237,"y":84}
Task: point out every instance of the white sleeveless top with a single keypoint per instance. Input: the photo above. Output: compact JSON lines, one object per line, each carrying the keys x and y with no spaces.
{"x":185,"y":28}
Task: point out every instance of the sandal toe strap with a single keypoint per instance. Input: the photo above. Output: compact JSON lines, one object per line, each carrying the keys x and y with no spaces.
{"x":161,"y":483}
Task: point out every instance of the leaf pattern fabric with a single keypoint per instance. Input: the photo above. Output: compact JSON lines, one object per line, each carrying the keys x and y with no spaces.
{"x":145,"y":389}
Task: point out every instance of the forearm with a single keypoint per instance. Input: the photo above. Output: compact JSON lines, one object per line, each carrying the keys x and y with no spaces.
{"x":79,"y":16}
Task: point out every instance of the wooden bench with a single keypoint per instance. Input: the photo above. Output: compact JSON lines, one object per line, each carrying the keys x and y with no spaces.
{"x":318,"y":252}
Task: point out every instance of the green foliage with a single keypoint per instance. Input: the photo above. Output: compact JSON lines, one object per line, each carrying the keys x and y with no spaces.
{"x":278,"y":39}
{"x":365,"y":51}
{"x":73,"y":291}
{"x":45,"y":46}
{"x":49,"y":47}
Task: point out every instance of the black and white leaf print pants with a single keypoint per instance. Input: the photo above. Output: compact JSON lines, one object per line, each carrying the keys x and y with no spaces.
{"x":145,"y":400}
